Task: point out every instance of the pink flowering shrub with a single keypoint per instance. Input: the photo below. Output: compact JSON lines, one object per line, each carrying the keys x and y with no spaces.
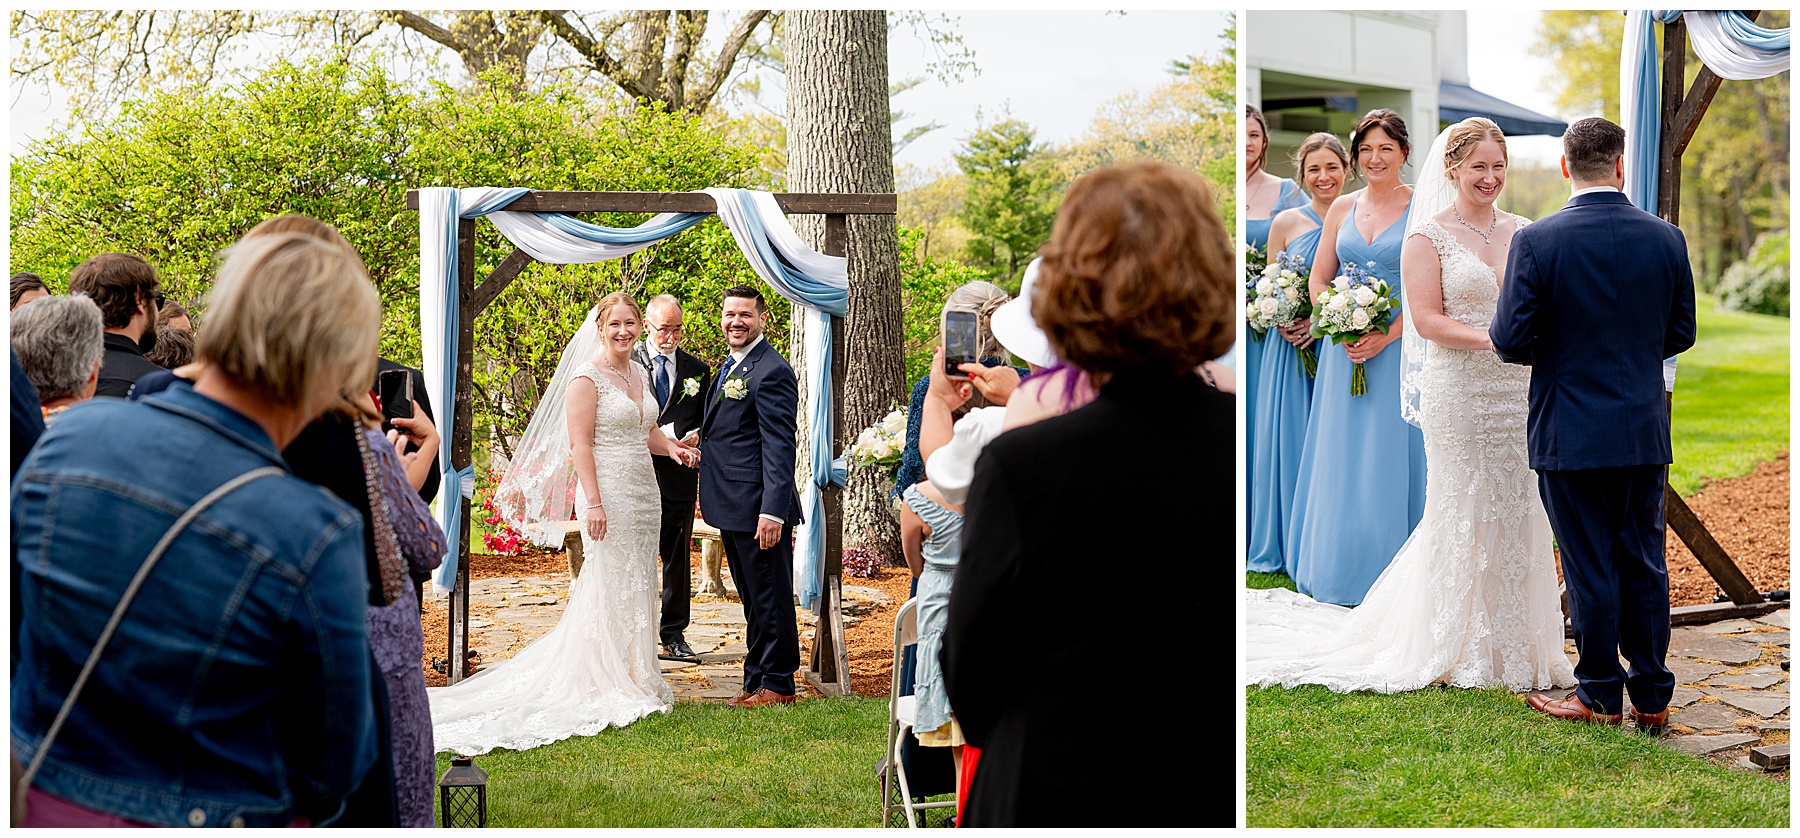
{"x":864,"y":562}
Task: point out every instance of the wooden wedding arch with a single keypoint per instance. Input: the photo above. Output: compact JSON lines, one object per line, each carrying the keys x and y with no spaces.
{"x":1682,"y":109}
{"x":827,"y":666}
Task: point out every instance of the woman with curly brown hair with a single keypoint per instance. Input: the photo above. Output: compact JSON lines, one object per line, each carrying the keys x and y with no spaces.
{"x":1136,"y":291}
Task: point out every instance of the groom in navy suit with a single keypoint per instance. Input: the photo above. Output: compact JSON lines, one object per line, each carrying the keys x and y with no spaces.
{"x":1596,"y":296}
{"x":747,"y":491}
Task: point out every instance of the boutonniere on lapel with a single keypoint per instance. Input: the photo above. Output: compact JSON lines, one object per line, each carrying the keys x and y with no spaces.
{"x":736,"y":387}
{"x":689,"y":387}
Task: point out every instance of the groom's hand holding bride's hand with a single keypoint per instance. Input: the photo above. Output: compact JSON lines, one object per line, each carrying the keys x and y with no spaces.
{"x":686,"y":454}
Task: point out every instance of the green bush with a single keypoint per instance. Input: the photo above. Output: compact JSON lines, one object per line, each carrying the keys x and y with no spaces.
{"x":1758,"y":284}
{"x":180,"y":176}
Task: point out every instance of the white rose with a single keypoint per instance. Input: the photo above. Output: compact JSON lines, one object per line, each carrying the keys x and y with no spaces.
{"x":1359,"y":320}
{"x":1341,"y":283}
{"x":1293,"y":295}
{"x":1267,"y":306}
{"x":1271,"y":269}
{"x":894,"y":423}
{"x":1265,"y":288}
{"x":736,"y":388}
{"x":691,"y":386}
{"x":1365,"y":296}
{"x":1338,"y":303}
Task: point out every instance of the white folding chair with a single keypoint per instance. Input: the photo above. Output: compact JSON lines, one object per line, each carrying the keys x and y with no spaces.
{"x":894,"y":785}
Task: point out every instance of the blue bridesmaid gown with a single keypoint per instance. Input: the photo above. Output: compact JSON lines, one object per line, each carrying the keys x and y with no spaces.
{"x":1362,"y":473}
{"x":1280,"y":422}
{"x":1256,"y":232}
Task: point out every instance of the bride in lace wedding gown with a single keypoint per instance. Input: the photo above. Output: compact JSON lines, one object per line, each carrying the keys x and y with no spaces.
{"x":597,"y":668}
{"x":1471,"y":599}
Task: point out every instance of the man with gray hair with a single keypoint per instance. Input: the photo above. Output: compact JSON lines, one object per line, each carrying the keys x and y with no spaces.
{"x":677,"y":379}
{"x":59,"y":342}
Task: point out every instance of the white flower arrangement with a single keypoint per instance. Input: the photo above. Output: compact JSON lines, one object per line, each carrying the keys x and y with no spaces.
{"x":690,"y":386}
{"x":1355,"y":305}
{"x":1280,"y":300}
{"x":880,"y":444}
{"x":736,"y":388}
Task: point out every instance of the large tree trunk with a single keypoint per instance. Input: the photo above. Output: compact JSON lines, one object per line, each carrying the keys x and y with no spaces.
{"x":840,"y":140}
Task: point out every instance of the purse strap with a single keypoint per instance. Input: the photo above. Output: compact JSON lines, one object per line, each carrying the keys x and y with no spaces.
{"x":387,"y":544}
{"x":118,"y":615}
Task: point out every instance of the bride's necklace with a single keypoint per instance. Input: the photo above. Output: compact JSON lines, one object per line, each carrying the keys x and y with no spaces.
{"x":622,"y":379}
{"x":1486,"y":236}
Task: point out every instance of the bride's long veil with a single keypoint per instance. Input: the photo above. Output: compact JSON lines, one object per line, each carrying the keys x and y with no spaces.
{"x":1431,"y":195}
{"x":537,"y":492}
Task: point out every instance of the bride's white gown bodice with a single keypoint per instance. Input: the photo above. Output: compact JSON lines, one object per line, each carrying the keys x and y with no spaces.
{"x":597,"y":668}
{"x":1471,"y":599}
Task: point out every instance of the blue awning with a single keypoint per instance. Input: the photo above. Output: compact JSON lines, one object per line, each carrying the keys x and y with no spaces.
{"x":1457,"y":102}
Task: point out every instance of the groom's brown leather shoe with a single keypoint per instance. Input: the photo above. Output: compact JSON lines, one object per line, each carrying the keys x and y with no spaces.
{"x":1651,"y":723}
{"x":1571,"y":709}
{"x":738,"y":699}
{"x":765,"y":698}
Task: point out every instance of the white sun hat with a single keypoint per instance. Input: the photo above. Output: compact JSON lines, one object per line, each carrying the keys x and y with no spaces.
{"x":952,"y":467}
{"x":1017,"y":330}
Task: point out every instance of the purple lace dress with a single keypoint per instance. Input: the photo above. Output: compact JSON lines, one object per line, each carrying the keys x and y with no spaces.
{"x":398,"y":642}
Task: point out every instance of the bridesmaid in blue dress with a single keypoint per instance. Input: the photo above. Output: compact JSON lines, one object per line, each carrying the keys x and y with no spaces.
{"x":1286,"y":397}
{"x":1265,"y":195}
{"x":1362,"y":473}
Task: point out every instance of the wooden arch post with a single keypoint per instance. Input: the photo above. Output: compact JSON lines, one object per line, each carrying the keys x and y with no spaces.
{"x":827,"y":668}
{"x":1682,"y":109}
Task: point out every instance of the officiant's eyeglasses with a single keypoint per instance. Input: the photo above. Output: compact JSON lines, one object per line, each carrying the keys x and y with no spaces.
{"x":669,"y":331}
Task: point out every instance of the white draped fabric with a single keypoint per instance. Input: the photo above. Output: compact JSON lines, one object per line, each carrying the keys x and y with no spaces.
{"x":763,"y":234}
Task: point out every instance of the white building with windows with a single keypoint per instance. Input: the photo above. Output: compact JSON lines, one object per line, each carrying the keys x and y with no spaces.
{"x":1322,"y":70}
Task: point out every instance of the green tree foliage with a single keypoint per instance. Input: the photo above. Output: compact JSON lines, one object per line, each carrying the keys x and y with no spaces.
{"x":1759,"y":284}
{"x":1011,"y":193}
{"x":925,"y":283}
{"x":179,"y":177}
{"x":1735,"y":172}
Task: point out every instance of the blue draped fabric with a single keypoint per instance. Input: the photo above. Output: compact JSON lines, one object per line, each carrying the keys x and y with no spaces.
{"x":1643,"y":133}
{"x":792,"y":283}
{"x":1739,"y":26}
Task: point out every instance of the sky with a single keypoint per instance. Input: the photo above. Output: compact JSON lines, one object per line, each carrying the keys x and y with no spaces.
{"x":1501,"y":64}
{"x":1051,"y":70}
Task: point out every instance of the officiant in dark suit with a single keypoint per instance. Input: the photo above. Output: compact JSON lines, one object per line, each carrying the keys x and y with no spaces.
{"x":679,"y":381}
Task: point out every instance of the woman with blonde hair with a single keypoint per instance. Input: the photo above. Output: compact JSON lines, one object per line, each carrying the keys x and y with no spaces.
{"x":247,"y":709}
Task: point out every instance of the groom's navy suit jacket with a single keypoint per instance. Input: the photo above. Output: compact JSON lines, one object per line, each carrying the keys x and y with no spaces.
{"x":747,"y":445}
{"x":1596,"y":296}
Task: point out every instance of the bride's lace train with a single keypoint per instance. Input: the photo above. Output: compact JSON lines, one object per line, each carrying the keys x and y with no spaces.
{"x":1471,"y":599}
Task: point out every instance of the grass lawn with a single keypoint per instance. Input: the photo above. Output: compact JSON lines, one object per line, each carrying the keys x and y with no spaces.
{"x":1446,"y":757}
{"x":701,"y":765}
{"x":1731,"y":397}
{"x":1471,"y":758}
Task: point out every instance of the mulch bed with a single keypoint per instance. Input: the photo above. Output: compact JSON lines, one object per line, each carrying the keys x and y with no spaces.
{"x":1749,"y":517}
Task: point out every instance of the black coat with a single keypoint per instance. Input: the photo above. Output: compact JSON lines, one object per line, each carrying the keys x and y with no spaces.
{"x":121,"y":366}
{"x":678,"y":482}
{"x":1097,"y":581}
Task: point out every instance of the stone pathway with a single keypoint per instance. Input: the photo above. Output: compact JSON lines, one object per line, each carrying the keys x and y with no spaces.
{"x":506,"y":614}
{"x":1731,"y":694}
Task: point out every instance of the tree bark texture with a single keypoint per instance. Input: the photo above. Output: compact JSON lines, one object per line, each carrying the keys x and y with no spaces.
{"x":840,"y":140}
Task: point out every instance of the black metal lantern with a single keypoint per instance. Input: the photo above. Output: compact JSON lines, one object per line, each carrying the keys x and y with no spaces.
{"x":462,"y":794}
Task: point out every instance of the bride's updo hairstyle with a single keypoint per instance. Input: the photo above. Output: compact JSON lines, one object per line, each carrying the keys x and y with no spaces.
{"x":1464,"y":136}
{"x":1389,"y":122}
{"x":1322,"y":140}
{"x":616,"y":298}
{"x":1138,"y":273}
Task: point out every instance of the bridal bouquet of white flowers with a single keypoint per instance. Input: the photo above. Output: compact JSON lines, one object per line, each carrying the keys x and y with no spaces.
{"x":1256,"y":261}
{"x":880,"y":444}
{"x":1355,"y":305}
{"x":1279,"y":299}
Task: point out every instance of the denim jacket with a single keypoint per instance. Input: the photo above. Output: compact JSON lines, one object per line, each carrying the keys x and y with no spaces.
{"x":236,"y":690}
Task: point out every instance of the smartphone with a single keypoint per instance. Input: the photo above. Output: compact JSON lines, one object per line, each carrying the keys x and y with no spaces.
{"x":961,"y":335}
{"x":395,"y":388}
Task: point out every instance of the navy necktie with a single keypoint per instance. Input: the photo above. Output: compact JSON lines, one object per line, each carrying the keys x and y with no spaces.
{"x":725,"y":372}
{"x":662,"y":380}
